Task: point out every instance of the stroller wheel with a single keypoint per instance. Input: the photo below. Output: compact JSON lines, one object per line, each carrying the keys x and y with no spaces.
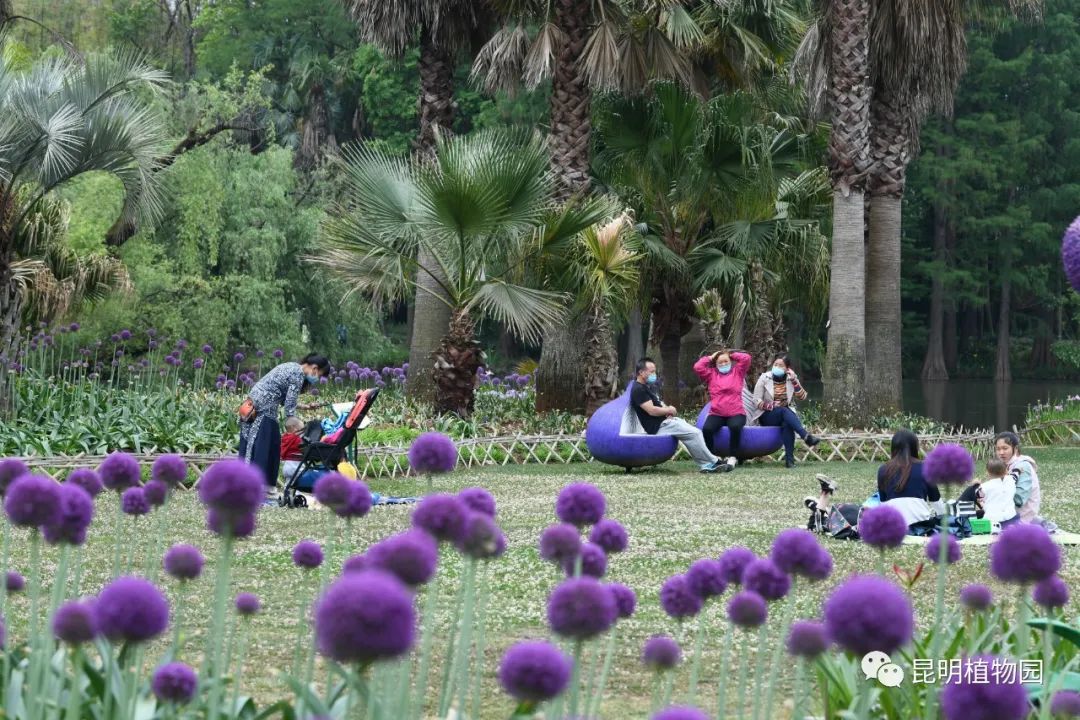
{"x":300,"y":501}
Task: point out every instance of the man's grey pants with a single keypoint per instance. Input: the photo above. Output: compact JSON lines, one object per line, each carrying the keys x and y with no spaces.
{"x":691,"y":437}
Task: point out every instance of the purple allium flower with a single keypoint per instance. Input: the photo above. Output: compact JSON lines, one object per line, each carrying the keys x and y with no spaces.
{"x":1065,"y":703}
{"x":131,"y":609}
{"x":678,"y":599}
{"x":1024,"y":554}
{"x":821,"y":567}
{"x":355,"y":563}
{"x":992,"y":700}
{"x":74,"y":327}
{"x":661,"y":652}
{"x":560,"y":542}
{"x":169,"y":469}
{"x":115,"y":337}
{"x":580,"y":504}
{"x":534,"y":671}
{"x":174,"y":682}
{"x":232,"y":488}
{"x":279,"y":353}
{"x":441,"y":515}
{"x":119,"y":471}
{"x":581,"y":608}
{"x":952,"y":552}
{"x":247,"y":604}
{"x":610,"y":535}
{"x":197,"y":363}
{"x":1051,"y":593}
{"x":357,"y":502}
{"x":183,"y":562}
{"x":410,"y":556}
{"x":207,"y":349}
{"x":332,"y":489}
{"x":680,"y":712}
{"x":766,"y":579}
{"x":796,"y":552}
{"x":10,"y":469}
{"x":75,"y":623}
{"x":976,"y":597}
{"x":948,"y":464}
{"x":134,"y":502}
{"x":365,"y":616}
{"x":237,"y":526}
{"x":882,"y":527}
{"x":625,"y":599}
{"x":14,"y":582}
{"x":156,"y":493}
{"x":480,"y":537}
{"x":868,"y":613}
{"x":125,"y":334}
{"x":260,"y":354}
{"x":307,"y":554}
{"x":479,"y":500}
{"x":87,"y":479}
{"x":432,"y":453}
{"x":747,"y":609}
{"x":238,"y":357}
{"x":1070,"y":254}
{"x":706,"y":578}
{"x":734,"y":561}
{"x":76,"y":512}
{"x":807,"y":639}
{"x":32,"y":501}
{"x":593,"y":561}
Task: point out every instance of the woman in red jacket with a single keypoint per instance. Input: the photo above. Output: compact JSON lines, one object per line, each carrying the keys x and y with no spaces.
{"x":724,"y":374}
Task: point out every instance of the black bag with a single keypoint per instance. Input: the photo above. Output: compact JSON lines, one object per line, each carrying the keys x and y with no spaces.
{"x":843,"y":522}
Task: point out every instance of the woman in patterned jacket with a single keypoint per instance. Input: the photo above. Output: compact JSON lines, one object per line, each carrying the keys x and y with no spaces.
{"x":260,"y":437}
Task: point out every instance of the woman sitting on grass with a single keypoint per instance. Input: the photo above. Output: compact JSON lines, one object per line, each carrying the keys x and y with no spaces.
{"x":900,"y":481}
{"x":1028,"y":497}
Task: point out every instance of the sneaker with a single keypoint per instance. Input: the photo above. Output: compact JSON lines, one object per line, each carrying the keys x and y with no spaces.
{"x":811,"y":440}
{"x":789,"y":464}
{"x":711,"y":467}
{"x":810,"y":503}
{"x":828,"y":485}
{"x":731,"y":462}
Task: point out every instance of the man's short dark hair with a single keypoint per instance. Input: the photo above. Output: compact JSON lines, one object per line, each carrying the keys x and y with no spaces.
{"x":643,"y":363}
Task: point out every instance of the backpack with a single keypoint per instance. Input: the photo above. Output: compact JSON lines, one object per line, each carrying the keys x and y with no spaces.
{"x":843,"y":521}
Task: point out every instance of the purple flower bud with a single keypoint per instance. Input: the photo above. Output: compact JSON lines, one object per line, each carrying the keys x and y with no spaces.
{"x":1051,"y":593}
{"x":534,"y":671}
{"x":1066,"y":703}
{"x":1024,"y":554}
{"x":332,"y":489}
{"x":75,"y":623}
{"x":432,"y":453}
{"x":560,"y":542}
{"x":169,"y":469}
{"x":734,"y":561}
{"x":174,"y":682}
{"x":948,"y":464}
{"x":247,"y":604}
{"x":807,"y":639}
{"x":307,"y":554}
{"x":279,"y":353}
{"x":232,"y":488}
{"x":661,"y":652}
{"x":125,"y":334}
{"x":32,"y":501}
{"x":74,"y":327}
{"x":183,"y":562}
{"x":441,"y":515}
{"x":882,"y":527}
{"x":238,"y":357}
{"x":747,"y":609}
{"x":87,"y":479}
{"x":237,"y":526}
{"x":14,"y":582}
{"x":364,"y":617}
{"x":609,"y":535}
{"x":10,"y":469}
{"x":73,"y":519}
{"x":480,"y":537}
{"x":580,"y":504}
{"x":678,"y":599}
{"x":952,"y":552}
{"x":357,"y":501}
{"x":593,"y":562}
{"x":355,"y":563}
{"x":131,"y":610}
{"x":625,"y":599}
{"x":581,"y":608}
{"x":119,"y":471}
{"x":976,"y":597}
{"x":410,"y":556}
{"x":706,"y":578}
{"x":680,"y":712}
{"x":479,"y":500}
{"x":156,"y":493}
{"x":1003,"y":695}
{"x":766,"y":579}
{"x":134,"y":502}
{"x":868,"y":613}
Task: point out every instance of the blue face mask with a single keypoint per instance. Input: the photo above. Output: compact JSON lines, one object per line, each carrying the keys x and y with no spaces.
{"x":312,"y":379}
{"x":779,"y":374}
{"x":724,"y":369}
{"x":651,"y":380}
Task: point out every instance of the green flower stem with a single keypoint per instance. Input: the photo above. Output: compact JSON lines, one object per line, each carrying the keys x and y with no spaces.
{"x":865,"y":701}
{"x":939,"y":608}
{"x":654,"y":704}
{"x":444,"y":687}
{"x":35,"y":584}
{"x":241,"y":656}
{"x":695,"y":663}
{"x":741,"y":709}
{"x":881,"y":562}
{"x":609,"y":654}
{"x":759,"y":666}
{"x":725,"y":664}
{"x":1022,"y":631}
{"x":74,"y":691}
{"x":60,"y":581}
{"x":301,"y":625}
{"x":221,"y":599}
{"x":427,"y":639}
{"x":575,"y":677}
{"x":461,"y":679}
{"x":76,"y":583}
{"x":669,"y":683}
{"x":800,"y":689}
{"x":5,"y":552}
{"x":178,"y":620}
{"x":778,"y":647}
{"x":1047,"y":659}
{"x":119,"y":522}
{"x":477,"y":666}
{"x":153,"y":558}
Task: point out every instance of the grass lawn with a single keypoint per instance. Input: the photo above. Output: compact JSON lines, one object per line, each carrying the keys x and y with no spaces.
{"x":674,"y":516}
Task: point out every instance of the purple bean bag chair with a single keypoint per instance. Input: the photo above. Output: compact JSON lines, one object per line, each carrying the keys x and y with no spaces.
{"x":614,"y":436}
{"x":757,"y":440}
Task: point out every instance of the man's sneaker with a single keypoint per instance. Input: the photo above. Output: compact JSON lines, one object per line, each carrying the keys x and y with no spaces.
{"x":731,"y":462}
{"x":811,"y":440}
{"x":789,"y":464}
{"x":828,"y":485}
{"x":810,"y":503}
{"x":715,"y":467}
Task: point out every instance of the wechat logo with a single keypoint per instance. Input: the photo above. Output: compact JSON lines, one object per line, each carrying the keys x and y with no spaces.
{"x":879,"y":666}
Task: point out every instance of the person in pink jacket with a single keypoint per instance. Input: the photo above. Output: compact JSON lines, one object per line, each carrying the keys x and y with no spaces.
{"x":724,"y":375}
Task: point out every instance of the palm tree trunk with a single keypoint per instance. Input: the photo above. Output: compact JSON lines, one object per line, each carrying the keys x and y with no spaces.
{"x":560,"y":377}
{"x":1003,"y":372}
{"x":435,"y":106}
{"x":456,"y":361}
{"x":671,"y":364}
{"x":934,"y":365}
{"x":635,"y":345}
{"x":10,"y":317}
{"x":762,"y":328}
{"x":601,"y":362}
{"x":570,"y":108}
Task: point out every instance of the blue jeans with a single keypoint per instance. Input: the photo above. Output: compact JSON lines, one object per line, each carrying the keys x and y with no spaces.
{"x":790,"y":426}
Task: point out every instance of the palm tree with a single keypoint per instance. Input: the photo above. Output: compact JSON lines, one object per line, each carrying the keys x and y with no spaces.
{"x":477,"y":211}
{"x":62,"y":119}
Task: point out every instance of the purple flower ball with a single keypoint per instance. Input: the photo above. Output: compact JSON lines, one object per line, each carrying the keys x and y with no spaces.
{"x":156,"y":492}
{"x":125,"y":334}
{"x":307,"y":554}
{"x":1070,"y":254}
{"x":364,"y":617}
{"x":680,"y":712}
{"x":661,"y":652}
{"x":796,"y":552}
{"x":609,"y":535}
{"x":678,"y":599}
{"x":747,"y":609}
{"x":706,"y":578}
{"x":560,"y":542}
{"x":332,"y":489}
{"x":1024,"y":554}
{"x":76,"y":512}
{"x":119,"y":471}
{"x":821,"y":567}
{"x":1051,"y":593}
{"x":442,"y":515}
{"x":593,"y":562}
{"x":355,"y":563}
{"x":10,"y":469}
{"x":581,"y":608}
{"x":238,"y":357}
{"x":232,"y":488}
{"x":198,"y":363}
{"x":948,"y":464}
{"x":625,"y":599}
{"x":279,"y":353}
{"x":247,"y":604}
{"x":807,"y":639}
{"x":134,"y":502}
{"x":868,"y":613}
{"x":169,"y":469}
{"x":237,"y":526}
{"x":1065,"y":703}
{"x":32,"y":501}
{"x":207,"y":349}
{"x":183,"y":562}
{"x":410,"y":556}
{"x":14,"y":582}
{"x":734,"y":561}
{"x":131,"y":609}
{"x":534,"y":671}
{"x":75,"y":623}
{"x":976,"y":597}
{"x":952,"y":551}
{"x":357,"y":502}
{"x":580,"y":504}
{"x":480,"y":537}
{"x":763,"y":577}
{"x":992,"y":700}
{"x":174,"y":682}
{"x":478,"y":500}
{"x":432,"y":453}
{"x":882,"y":527}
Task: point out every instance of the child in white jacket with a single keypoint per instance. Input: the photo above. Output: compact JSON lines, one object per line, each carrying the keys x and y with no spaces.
{"x":997,"y":492}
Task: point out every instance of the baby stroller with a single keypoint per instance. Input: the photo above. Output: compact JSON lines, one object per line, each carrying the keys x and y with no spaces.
{"x":322,"y":456}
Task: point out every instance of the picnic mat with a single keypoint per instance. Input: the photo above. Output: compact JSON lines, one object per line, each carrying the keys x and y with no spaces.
{"x":1060,"y":537}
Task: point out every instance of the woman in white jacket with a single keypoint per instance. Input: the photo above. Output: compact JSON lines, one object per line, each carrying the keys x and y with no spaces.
{"x":1028,"y":497}
{"x":775,"y":394}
